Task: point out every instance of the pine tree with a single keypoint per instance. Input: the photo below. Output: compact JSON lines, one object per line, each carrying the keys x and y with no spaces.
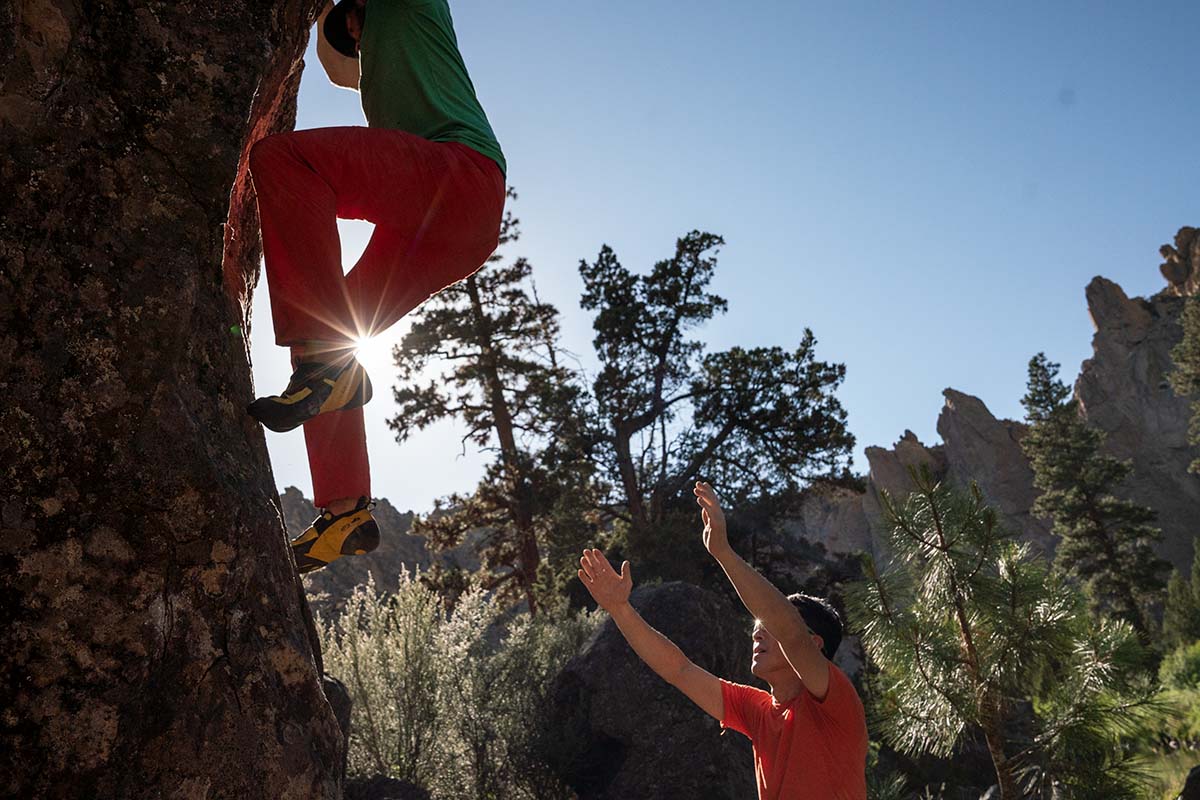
{"x":1181,"y":612}
{"x":969,"y":631}
{"x":502,"y":376}
{"x":1106,"y":543}
{"x":755,"y":420}
{"x":1185,"y":379}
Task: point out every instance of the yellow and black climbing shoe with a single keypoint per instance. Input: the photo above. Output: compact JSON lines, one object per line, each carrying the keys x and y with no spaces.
{"x":315,"y":388}
{"x":332,"y":536}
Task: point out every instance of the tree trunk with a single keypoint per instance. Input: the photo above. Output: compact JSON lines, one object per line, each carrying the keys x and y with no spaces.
{"x":156,"y":643}
{"x":521,"y":490}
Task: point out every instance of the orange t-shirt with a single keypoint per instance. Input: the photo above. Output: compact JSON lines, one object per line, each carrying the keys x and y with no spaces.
{"x":805,"y":749}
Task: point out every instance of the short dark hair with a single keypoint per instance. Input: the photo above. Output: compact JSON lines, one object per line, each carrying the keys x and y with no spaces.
{"x":822,"y":619}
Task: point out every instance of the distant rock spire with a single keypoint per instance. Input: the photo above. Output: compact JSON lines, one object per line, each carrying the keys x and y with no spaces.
{"x":1181,"y":266}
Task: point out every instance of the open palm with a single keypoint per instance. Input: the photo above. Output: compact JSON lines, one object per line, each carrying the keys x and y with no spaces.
{"x":715,"y":538}
{"x":607,"y":587}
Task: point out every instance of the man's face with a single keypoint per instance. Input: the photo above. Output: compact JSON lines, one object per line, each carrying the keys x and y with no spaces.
{"x":768,"y":658}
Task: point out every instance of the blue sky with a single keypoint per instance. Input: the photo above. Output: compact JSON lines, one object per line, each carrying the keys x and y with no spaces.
{"x":928,"y":186}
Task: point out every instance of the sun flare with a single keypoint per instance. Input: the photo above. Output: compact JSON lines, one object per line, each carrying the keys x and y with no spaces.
{"x":375,"y":353}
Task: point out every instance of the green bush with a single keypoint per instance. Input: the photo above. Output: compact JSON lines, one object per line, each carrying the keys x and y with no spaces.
{"x":456,"y":701}
{"x":1181,"y":668}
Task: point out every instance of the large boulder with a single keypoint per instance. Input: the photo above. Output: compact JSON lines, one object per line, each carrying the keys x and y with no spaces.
{"x":155,"y":639}
{"x":1123,"y":390}
{"x":342,"y":704}
{"x":624,"y":732}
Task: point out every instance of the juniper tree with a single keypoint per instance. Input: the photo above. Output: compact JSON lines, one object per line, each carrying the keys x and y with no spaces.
{"x":1185,"y":379}
{"x":967,"y":627}
{"x":500,"y":373}
{"x":1181,"y":611}
{"x":1106,"y":543}
{"x":755,"y":420}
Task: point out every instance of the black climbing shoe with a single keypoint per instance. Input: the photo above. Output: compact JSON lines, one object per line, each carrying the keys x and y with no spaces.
{"x":316,"y":387}
{"x":332,"y":536}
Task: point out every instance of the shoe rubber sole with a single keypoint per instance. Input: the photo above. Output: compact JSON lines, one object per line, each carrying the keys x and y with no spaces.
{"x":353,"y":535}
{"x":282,"y":415}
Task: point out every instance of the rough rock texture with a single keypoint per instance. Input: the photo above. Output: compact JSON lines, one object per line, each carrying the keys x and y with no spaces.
{"x":1123,"y":391}
{"x":888,"y":470}
{"x":155,"y":640}
{"x":976,"y":446}
{"x":626,"y":733}
{"x":987,"y":450}
{"x":398,"y":550}
{"x":342,"y":704}
{"x":1181,"y":265}
{"x":833,"y":517}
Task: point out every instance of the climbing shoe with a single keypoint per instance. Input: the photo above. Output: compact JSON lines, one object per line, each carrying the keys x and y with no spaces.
{"x":316,"y":387}
{"x":331,"y":536}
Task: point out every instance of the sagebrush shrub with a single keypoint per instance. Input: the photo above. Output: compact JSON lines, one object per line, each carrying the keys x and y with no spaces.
{"x":452,"y":701}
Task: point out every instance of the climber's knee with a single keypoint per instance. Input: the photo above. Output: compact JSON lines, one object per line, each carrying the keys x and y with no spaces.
{"x":267,"y":150}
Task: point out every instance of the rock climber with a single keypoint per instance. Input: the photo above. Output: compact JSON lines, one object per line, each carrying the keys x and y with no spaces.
{"x":428,"y":171}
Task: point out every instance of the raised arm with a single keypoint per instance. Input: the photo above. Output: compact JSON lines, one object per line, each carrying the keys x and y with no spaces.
{"x":662,"y":655}
{"x":768,"y":605}
{"x":342,"y":71}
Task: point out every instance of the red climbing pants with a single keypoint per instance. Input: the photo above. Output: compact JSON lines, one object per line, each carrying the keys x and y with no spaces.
{"x":436,"y":208}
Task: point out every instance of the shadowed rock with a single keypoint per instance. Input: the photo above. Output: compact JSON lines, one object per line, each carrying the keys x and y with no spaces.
{"x":1181,"y":263}
{"x":1191,"y":788}
{"x":154,"y":638}
{"x":624,"y":732}
{"x":1123,"y":390}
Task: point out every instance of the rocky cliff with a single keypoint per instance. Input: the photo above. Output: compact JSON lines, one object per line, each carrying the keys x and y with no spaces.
{"x":1122,"y":390}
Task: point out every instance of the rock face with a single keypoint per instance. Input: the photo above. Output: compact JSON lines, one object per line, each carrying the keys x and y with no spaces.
{"x":987,"y":450}
{"x":155,"y":639}
{"x":1123,"y":391}
{"x":624,"y":732}
{"x":976,"y":446}
{"x":833,"y":517}
{"x":889,"y":472}
{"x":1181,"y":264}
{"x":398,"y":550}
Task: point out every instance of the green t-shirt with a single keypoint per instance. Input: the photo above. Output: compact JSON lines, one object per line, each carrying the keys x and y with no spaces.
{"x":413,"y":77}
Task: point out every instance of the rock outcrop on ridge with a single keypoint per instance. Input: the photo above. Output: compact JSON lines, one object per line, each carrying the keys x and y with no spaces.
{"x":1123,"y":390}
{"x":1181,"y":263}
{"x":976,"y":446}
